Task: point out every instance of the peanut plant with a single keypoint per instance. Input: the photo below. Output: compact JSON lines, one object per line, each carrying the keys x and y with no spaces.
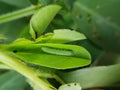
{"x":59,"y":45}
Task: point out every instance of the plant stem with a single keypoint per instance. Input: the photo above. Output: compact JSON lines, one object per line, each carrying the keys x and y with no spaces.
{"x":29,"y":73}
{"x":2,"y":66}
{"x":18,"y":14}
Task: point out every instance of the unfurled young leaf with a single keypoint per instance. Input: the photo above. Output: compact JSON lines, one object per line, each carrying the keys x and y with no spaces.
{"x":41,"y":19}
{"x":61,"y":36}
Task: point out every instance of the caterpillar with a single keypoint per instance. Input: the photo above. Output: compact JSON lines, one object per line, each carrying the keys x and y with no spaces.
{"x":57,"y":51}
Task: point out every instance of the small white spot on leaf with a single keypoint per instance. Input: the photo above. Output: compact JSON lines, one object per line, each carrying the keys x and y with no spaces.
{"x":71,"y":86}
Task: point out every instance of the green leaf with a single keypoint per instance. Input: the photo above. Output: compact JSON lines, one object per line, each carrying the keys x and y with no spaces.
{"x":102,"y":76}
{"x":46,"y":2}
{"x":99,"y":21}
{"x":35,"y":2}
{"x":69,"y":3}
{"x":25,"y":33}
{"x":41,"y":19}
{"x":58,"y":56}
{"x":3,"y":7}
{"x":12,"y":81}
{"x":17,"y":3}
{"x":12,"y":29}
{"x":71,"y":86}
{"x":61,"y":36}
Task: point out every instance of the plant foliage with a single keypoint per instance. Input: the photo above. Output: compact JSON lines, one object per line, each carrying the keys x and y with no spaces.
{"x":59,"y":44}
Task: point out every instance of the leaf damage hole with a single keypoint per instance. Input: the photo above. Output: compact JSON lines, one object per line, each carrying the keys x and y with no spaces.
{"x":15,"y":51}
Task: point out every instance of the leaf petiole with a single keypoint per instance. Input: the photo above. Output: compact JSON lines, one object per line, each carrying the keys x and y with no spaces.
{"x":19,"y":14}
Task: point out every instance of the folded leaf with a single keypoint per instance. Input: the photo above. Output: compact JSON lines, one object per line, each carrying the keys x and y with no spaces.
{"x":58,"y":56}
{"x":41,"y":19}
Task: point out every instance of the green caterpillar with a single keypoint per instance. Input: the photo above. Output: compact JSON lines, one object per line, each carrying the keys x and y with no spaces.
{"x":50,"y":48}
{"x":57,"y":51}
{"x":58,"y":56}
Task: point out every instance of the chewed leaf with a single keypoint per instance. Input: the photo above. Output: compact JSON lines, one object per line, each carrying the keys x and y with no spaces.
{"x":58,"y":56}
{"x":44,"y":38}
{"x":71,"y":86}
{"x":66,"y":35}
{"x":61,"y":36}
{"x":41,"y":19}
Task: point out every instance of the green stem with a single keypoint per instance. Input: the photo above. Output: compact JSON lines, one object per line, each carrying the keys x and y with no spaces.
{"x":38,"y":73}
{"x":18,"y":14}
{"x":29,"y":73}
{"x":2,"y":66}
{"x":58,"y":79}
